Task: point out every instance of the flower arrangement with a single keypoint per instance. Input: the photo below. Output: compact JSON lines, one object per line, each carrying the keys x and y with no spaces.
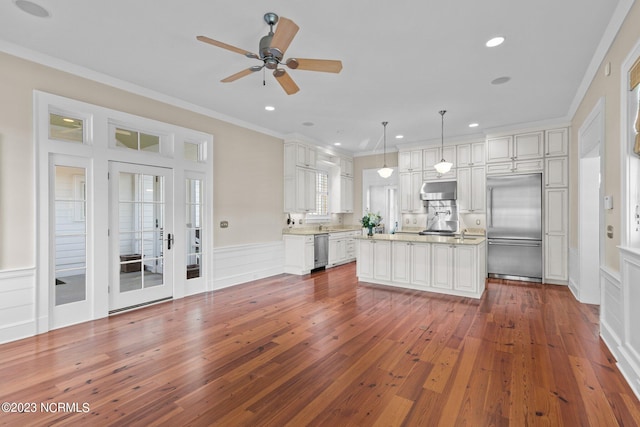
{"x":371,"y":220}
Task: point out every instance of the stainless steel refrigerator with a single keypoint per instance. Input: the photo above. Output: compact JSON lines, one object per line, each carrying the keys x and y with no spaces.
{"x":514,"y":227}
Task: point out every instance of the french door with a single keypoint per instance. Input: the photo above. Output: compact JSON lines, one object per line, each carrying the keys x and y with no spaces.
{"x":140,"y":235}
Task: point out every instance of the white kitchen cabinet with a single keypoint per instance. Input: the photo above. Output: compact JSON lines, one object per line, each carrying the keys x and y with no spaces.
{"x":471,"y":189}
{"x":556,"y":172}
{"x":305,"y":190}
{"x":421,"y":264}
{"x":298,"y":254}
{"x":346,"y":167}
{"x":346,"y":194}
{"x":410,"y":161}
{"x":374,"y":259}
{"x":442,"y":262}
{"x":470,"y":154}
{"x":432,"y":156}
{"x":350,"y":246}
{"x":519,"y":147}
{"x":337,"y":249}
{"x":528,"y":146}
{"x":464,"y":268}
{"x":410,"y":185}
{"x":556,"y":142}
{"x":434,"y":175}
{"x":556,"y":235}
{"x":305,"y":155}
{"x":515,"y":167}
{"x":401,"y":264}
{"x":299,"y":182}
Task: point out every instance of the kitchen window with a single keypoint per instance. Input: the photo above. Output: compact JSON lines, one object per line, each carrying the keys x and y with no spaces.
{"x":322,"y":197}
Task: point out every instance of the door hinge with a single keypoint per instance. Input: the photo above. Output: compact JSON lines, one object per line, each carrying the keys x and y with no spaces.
{"x":108,"y":232}
{"x":108,"y":176}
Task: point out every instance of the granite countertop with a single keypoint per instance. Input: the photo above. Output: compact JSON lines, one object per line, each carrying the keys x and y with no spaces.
{"x":406,"y":237}
{"x":309,"y":231}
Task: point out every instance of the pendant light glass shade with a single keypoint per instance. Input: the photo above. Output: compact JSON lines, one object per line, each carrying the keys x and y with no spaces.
{"x":384,"y":171}
{"x":444,"y":166}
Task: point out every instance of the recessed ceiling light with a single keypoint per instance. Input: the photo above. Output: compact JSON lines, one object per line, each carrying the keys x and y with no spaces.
{"x":307,"y":124}
{"x":473,"y":125}
{"x":32,"y":8}
{"x":399,"y":136}
{"x":337,"y":143}
{"x":269,"y":108}
{"x":500,"y":80}
{"x":496,"y":41}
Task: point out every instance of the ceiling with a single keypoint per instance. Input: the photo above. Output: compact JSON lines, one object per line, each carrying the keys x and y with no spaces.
{"x":403,"y":61}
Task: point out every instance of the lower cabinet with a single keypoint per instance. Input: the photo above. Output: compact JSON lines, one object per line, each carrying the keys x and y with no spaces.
{"x":298,"y":254}
{"x":436,"y":267}
{"x":342,"y":247}
{"x":374,"y":259}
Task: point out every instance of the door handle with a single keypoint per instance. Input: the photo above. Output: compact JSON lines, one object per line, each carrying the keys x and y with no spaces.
{"x":527,"y":245}
{"x":490,"y":206}
{"x":169,"y":241}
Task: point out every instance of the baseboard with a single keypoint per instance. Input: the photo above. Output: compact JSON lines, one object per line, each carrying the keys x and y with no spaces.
{"x":574,"y":271}
{"x":234,"y":265}
{"x":17,"y":304}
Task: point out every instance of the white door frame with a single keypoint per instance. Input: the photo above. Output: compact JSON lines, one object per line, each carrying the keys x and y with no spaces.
{"x":591,"y":186}
{"x":98,"y":148}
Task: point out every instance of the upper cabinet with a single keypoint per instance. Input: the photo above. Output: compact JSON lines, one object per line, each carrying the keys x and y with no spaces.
{"x":346,"y":167}
{"x":524,"y":146}
{"x":305,"y":155}
{"x":470,"y":154}
{"x":432,"y":156}
{"x":410,"y":161}
{"x":557,"y":142}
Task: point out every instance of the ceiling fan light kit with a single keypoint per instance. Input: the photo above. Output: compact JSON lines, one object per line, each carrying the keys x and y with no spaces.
{"x":272,"y":48}
{"x":443,"y":166}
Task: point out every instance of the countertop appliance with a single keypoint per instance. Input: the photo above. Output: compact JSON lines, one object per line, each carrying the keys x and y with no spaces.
{"x":514,"y":227}
{"x":320,"y":250}
{"x":442,"y":209}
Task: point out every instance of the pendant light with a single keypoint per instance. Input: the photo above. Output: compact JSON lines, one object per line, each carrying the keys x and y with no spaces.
{"x":385,"y":172}
{"x":444,"y":166}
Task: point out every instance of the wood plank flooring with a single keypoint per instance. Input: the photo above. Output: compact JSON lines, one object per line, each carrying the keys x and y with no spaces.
{"x":325,"y":350}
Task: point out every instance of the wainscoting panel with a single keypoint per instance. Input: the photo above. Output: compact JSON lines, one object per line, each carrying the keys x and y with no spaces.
{"x":233,"y":265}
{"x":17,"y":304}
{"x":629,"y":361}
{"x":611,"y":310}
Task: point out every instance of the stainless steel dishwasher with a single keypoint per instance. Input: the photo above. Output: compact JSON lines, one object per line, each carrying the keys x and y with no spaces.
{"x":320,"y":250}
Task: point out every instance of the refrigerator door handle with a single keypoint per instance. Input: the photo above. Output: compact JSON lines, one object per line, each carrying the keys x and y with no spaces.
{"x":529,"y":245}
{"x":490,"y":207}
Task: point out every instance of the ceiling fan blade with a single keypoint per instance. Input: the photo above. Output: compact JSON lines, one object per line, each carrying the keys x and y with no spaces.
{"x":238,"y":75}
{"x":285,"y":32}
{"x":324,"y":65}
{"x":286,"y":81}
{"x":227,"y":46}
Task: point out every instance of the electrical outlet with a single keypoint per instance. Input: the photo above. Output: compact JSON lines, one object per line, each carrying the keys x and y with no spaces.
{"x":224,"y":224}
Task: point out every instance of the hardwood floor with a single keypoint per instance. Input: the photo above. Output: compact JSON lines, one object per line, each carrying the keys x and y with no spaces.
{"x":324,"y":350}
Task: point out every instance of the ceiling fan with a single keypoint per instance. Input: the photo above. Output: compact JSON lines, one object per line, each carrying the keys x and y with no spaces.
{"x":272,"y":48}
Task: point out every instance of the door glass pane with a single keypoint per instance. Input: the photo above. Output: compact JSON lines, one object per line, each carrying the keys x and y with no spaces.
{"x":70,"y":235}
{"x":66,"y":128}
{"x":141,"y":218}
{"x":193,"y":227}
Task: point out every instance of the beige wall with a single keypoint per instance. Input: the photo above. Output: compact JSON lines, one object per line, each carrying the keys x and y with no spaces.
{"x":609,"y":88}
{"x":248,"y":165}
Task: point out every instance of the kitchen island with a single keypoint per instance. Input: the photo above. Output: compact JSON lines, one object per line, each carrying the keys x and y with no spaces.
{"x":448,"y":265}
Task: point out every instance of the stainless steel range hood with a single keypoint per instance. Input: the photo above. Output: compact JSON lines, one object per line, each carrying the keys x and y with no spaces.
{"x":443,"y":190}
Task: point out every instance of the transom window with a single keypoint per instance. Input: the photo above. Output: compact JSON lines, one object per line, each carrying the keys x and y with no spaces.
{"x":139,"y":141}
{"x":66,"y":128}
